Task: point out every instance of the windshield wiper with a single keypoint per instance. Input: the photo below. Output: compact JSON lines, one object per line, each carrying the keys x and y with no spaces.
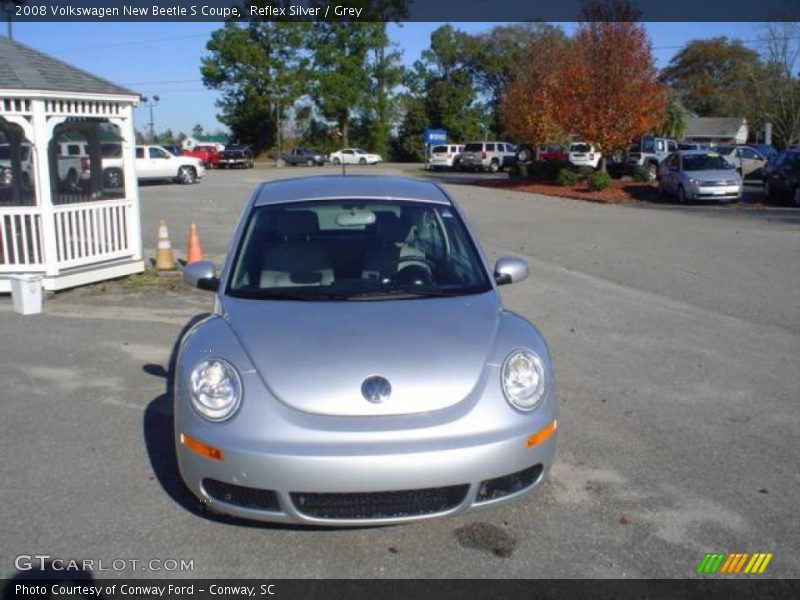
{"x":272,"y":295}
{"x":403,"y":291}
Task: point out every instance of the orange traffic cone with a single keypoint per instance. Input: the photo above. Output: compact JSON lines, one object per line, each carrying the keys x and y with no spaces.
{"x":194,"y":251}
{"x":165,"y":259}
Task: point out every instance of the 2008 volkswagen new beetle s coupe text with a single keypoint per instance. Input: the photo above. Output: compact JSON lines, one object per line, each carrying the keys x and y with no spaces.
{"x":359,"y":367}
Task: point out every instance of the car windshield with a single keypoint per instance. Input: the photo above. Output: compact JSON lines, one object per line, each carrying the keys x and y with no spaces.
{"x":705,"y":162}
{"x":439,"y":149}
{"x":356,"y":250}
{"x":474,"y":147}
{"x":5,"y":152}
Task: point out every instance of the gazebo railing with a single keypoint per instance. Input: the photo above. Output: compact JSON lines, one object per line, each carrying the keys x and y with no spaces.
{"x":87,"y":233}
{"x":21,"y":240}
{"x":92,"y":232}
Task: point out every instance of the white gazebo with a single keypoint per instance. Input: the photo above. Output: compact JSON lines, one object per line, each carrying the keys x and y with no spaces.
{"x":69,"y":201}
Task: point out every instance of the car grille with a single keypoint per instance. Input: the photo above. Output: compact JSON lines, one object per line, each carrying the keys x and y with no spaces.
{"x":379,"y":505}
{"x":491,"y":489}
{"x":238,"y":495}
{"x":718,"y":183}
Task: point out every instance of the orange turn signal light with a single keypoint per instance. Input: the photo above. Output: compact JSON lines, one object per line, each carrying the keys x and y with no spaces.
{"x":201,"y":448}
{"x":541,"y":435}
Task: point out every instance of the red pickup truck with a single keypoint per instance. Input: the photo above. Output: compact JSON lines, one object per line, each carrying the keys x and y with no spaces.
{"x":207,"y":154}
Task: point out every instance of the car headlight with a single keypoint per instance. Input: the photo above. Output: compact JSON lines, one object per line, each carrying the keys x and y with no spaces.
{"x":694,"y":181}
{"x":215,"y":389}
{"x":5,"y":176}
{"x":523,"y":379}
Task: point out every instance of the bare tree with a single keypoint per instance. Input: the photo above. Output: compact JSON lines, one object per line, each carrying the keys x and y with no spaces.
{"x":777,"y":88}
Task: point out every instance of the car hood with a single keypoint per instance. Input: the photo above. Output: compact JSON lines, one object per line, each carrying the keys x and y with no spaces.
{"x":315,"y":356}
{"x":714,"y":175}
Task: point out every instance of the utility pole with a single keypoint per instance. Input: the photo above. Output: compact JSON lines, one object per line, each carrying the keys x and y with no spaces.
{"x":151,"y":102}
{"x":278,"y":130}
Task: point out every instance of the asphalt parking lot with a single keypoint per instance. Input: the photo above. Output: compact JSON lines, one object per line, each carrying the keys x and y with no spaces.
{"x":676,"y":340}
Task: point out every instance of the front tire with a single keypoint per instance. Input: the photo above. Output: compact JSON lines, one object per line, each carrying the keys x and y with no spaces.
{"x":796,"y":196}
{"x":363,"y":161}
{"x":112,"y":178}
{"x":309,"y":163}
{"x":768,"y":191}
{"x":187,"y":175}
{"x":652,"y":171}
{"x":494,"y":166}
{"x":336,"y":161}
{"x":681,"y":195}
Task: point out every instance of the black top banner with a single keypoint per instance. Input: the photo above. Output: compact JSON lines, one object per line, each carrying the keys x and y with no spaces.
{"x":390,"y":10}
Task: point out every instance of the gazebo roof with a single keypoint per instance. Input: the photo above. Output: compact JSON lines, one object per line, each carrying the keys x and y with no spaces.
{"x":29,"y":69}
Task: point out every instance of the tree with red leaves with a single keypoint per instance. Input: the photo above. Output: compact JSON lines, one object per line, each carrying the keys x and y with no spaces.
{"x":529,"y":106}
{"x":610,"y":94}
{"x":601,"y":85}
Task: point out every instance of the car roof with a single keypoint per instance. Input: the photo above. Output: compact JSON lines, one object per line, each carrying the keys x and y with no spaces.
{"x":349,"y":187}
{"x":697,"y":151}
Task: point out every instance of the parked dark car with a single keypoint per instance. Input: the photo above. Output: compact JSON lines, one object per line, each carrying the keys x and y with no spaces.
{"x":235,"y":157}
{"x":304,"y":156}
{"x":176,"y":150}
{"x":765,"y":150}
{"x":782,"y":177}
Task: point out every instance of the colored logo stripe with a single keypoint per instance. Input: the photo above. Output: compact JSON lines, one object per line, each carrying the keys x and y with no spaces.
{"x":722,"y":562}
{"x":758,"y":563}
{"x":711,"y":562}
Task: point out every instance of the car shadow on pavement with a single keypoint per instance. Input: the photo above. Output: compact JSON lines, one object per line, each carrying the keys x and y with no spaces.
{"x":159,"y":436}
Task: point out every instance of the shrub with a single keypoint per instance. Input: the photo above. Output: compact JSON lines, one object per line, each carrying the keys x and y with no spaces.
{"x":545,"y":171}
{"x":640,"y":173}
{"x":567,"y":177}
{"x":584,"y":171}
{"x":599,"y":181}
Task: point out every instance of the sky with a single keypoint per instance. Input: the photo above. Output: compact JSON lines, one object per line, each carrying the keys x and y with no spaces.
{"x":164,"y":58}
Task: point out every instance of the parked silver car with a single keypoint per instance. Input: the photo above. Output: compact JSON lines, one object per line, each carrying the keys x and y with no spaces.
{"x":359,"y":367}
{"x":699,"y":175}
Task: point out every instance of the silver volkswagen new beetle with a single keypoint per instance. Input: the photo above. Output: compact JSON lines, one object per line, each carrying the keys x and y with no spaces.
{"x":359,"y":367}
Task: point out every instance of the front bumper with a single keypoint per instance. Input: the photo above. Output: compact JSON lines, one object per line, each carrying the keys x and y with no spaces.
{"x":721,"y":192}
{"x":366,"y":487}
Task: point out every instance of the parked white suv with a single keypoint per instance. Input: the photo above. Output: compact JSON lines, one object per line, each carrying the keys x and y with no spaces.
{"x":446,"y":156}
{"x":154,"y":162}
{"x":494,"y":156}
{"x":582,"y":154}
{"x":26,"y":164}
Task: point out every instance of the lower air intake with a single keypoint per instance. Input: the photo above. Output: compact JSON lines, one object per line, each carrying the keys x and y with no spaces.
{"x":379,"y":505}
{"x":245,"y":497}
{"x":491,"y":489}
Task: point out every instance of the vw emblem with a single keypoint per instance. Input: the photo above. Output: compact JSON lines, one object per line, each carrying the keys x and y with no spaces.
{"x":376,"y":389}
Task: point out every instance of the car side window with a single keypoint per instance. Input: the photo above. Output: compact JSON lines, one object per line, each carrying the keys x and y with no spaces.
{"x":156,"y":153}
{"x":139,"y":152}
{"x":672,"y":146}
{"x":748,"y":153}
{"x":489,"y":147}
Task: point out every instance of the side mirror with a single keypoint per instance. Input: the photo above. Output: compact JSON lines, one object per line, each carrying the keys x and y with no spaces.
{"x":202,"y":275}
{"x":510,"y":270}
